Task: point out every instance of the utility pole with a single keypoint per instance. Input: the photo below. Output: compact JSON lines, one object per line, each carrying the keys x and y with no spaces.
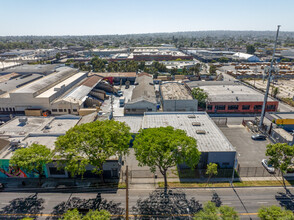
{"x":270,"y":71}
{"x":127,"y":192}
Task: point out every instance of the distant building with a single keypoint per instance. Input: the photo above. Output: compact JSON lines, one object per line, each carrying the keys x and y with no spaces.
{"x":62,"y":92}
{"x":177,"y":97}
{"x":143,"y":97}
{"x":118,"y":77}
{"x":245,"y":57}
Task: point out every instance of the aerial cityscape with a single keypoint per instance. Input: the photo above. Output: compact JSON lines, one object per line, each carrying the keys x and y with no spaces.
{"x":147,"y":110}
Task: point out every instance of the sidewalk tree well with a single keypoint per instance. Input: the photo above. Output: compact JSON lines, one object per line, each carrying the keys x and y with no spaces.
{"x":210,"y":211}
{"x":91,"y":215}
{"x":281,"y":157}
{"x":92,"y":143}
{"x":32,"y":159}
{"x":165,"y":147}
{"x":274,"y":213}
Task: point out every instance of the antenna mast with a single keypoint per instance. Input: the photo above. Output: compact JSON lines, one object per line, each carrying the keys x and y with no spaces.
{"x":270,"y":71}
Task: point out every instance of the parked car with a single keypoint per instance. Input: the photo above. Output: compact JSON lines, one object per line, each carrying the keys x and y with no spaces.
{"x":268,"y":166}
{"x":1,"y":186}
{"x":258,"y":137}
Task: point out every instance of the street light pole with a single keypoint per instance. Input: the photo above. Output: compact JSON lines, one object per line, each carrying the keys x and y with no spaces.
{"x":270,"y":71}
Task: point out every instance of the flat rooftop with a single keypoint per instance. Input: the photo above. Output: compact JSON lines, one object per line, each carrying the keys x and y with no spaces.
{"x":25,"y":69}
{"x":48,"y":93}
{"x":123,"y":74}
{"x":232,"y":93}
{"x":17,"y":82}
{"x":175,"y":91}
{"x":209,"y":137}
{"x":47,"y":81}
{"x":40,"y":130}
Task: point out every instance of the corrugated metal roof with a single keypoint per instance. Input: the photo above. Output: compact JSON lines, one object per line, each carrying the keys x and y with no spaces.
{"x":144,"y":90}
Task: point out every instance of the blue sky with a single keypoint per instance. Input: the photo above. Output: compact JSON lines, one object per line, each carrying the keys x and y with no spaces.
{"x":91,"y":17}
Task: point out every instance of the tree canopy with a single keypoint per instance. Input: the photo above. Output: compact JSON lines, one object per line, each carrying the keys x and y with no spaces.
{"x":92,"y":143}
{"x":281,"y":157}
{"x":275,"y":213}
{"x":211,"y":170}
{"x":250,"y":49}
{"x":200,"y":95}
{"x":165,"y":147}
{"x":32,"y":159}
{"x":211,"y":212}
{"x":91,"y":215}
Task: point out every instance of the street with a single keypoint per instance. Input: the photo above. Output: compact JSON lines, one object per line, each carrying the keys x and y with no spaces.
{"x":142,"y":201}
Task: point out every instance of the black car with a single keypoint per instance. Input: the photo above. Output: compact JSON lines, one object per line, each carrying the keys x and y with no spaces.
{"x":258,"y":137}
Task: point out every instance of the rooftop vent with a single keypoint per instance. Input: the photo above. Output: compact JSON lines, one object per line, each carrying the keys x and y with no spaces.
{"x":23,"y":120}
{"x":191,"y":116}
{"x":196,"y":123}
{"x":201,"y":132}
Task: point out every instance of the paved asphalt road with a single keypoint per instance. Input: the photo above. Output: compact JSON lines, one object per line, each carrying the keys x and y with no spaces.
{"x":245,"y":200}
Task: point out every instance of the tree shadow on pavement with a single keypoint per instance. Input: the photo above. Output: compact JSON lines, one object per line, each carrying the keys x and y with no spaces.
{"x":169,"y":205}
{"x":216,"y":199}
{"x":84,"y":205}
{"x":29,"y":205}
{"x":286,"y":200}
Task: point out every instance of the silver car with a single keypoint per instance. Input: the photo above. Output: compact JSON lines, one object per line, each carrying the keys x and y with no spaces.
{"x":268,"y":166}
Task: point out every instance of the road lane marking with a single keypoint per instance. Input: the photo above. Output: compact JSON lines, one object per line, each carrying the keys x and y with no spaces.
{"x":262,"y":202}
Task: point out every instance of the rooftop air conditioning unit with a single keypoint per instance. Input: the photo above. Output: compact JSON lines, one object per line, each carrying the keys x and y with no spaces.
{"x":201,"y":132}
{"x":23,"y":120}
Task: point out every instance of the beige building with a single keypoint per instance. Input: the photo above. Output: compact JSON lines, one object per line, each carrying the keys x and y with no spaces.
{"x":176,"y":97}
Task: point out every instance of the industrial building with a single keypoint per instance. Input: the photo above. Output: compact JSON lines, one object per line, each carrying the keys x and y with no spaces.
{"x":213,"y":145}
{"x":245,"y":57}
{"x":118,"y":78}
{"x":21,"y":132}
{"x":235,"y":98}
{"x":143,"y":97}
{"x":177,"y":96}
{"x":62,"y":92}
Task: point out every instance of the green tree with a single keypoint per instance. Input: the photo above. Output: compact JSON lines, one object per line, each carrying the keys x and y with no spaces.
{"x":275,"y":213}
{"x":200,"y":95}
{"x":91,"y":215}
{"x":58,"y":55}
{"x":211,"y":212}
{"x":165,"y":147}
{"x":212,"y":69}
{"x":280,"y":157}
{"x":32,"y":159}
{"x":275,"y":91}
{"x":92,"y":143}
{"x":250,"y":49}
{"x":211,"y":170}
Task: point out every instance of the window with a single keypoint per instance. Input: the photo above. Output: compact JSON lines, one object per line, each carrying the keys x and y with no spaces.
{"x":74,"y":110}
{"x":257,"y":107}
{"x":270,"y":107}
{"x":64,"y":110}
{"x":220,"y":107}
{"x":60,"y":110}
{"x":233,"y":107}
{"x":209,"y":107}
{"x":54,"y":110}
{"x":55,"y":171}
{"x":245,"y":107}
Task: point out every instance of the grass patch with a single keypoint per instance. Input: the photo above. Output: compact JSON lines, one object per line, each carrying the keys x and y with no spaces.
{"x":239,"y":184}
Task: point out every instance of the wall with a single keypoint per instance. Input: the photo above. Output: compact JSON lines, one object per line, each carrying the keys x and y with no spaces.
{"x":138,"y":108}
{"x":180,"y":105}
{"x":8,"y":171}
{"x":222,"y":157}
{"x":240,"y":110}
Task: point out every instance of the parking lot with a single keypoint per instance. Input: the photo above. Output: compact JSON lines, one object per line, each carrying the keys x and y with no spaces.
{"x":117,"y":110}
{"x":249,"y":152}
